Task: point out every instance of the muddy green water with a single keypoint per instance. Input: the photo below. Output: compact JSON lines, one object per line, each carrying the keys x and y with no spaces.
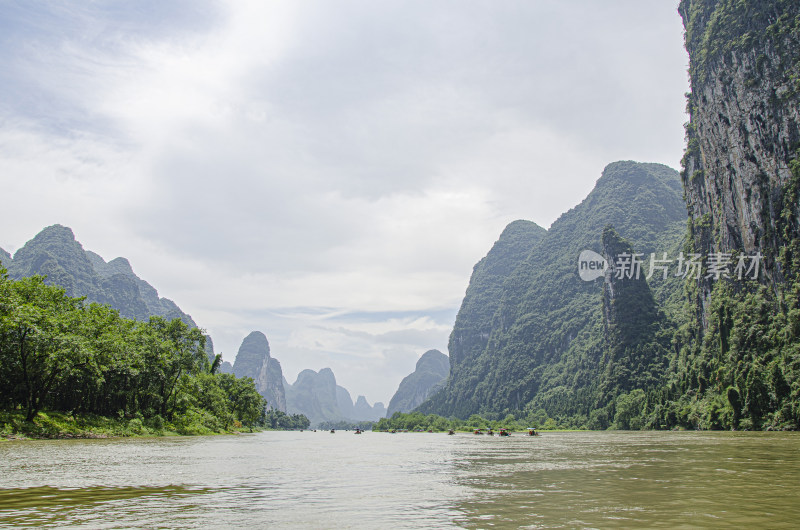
{"x":377,"y":480}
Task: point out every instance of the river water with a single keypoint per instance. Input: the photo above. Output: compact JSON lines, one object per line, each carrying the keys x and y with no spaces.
{"x":410,"y":480}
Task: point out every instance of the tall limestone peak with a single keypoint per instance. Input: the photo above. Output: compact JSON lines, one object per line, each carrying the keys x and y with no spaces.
{"x":55,"y":253}
{"x":482,"y":298}
{"x":363,"y":411}
{"x":253,"y":360}
{"x":633,"y":357}
{"x":315,"y":395}
{"x":541,"y":345}
{"x":431,"y":371}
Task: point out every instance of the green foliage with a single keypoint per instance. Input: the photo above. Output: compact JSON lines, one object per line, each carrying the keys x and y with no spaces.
{"x":58,"y":353}
{"x":540,"y":343}
{"x":277,"y":420}
{"x":346,"y":425}
{"x":418,"y":422}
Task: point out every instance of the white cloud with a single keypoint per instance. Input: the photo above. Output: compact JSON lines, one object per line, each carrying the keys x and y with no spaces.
{"x":253,"y":159}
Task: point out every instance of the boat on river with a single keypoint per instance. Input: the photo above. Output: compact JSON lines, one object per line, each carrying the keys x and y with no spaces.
{"x":504,"y":432}
{"x":532,"y":432}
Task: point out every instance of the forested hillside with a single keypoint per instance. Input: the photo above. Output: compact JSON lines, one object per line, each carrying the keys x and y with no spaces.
{"x":717,"y":347}
{"x":544,"y":352}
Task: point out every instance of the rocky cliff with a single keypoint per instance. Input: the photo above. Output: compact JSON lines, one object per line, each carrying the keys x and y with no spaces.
{"x":741,"y":178}
{"x":744,"y":127}
{"x":253,"y":360}
{"x":428,"y":376}
{"x":345,"y":401}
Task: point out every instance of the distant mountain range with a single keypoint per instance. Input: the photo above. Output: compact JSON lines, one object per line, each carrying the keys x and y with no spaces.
{"x":317,"y":395}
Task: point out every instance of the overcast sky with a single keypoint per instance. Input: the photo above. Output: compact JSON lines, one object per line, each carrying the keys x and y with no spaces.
{"x":327,"y":172}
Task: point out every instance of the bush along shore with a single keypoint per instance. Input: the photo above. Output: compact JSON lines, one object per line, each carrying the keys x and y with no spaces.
{"x":69,"y":369}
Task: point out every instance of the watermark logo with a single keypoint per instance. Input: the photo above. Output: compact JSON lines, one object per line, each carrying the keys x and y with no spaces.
{"x":591,"y":265}
{"x":717,"y":265}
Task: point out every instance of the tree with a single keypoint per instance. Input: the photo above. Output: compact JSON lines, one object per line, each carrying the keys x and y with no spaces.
{"x":41,"y":343}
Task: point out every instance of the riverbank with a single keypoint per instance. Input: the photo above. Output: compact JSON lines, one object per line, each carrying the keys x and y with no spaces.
{"x":59,"y":425}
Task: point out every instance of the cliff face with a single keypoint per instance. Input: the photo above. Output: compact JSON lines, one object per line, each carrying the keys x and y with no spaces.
{"x":428,"y":376}
{"x":744,"y":127}
{"x":253,"y":360}
{"x":344,"y":401}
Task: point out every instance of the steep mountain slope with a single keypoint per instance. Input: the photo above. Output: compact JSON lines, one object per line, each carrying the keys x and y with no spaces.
{"x":253,"y":360}
{"x":54,"y":252}
{"x":485,"y":290}
{"x":737,"y":361}
{"x":546,"y":343}
{"x":344,"y":401}
{"x":428,"y":376}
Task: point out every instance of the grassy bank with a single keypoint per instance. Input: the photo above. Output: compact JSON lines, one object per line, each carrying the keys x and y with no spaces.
{"x":59,"y":425}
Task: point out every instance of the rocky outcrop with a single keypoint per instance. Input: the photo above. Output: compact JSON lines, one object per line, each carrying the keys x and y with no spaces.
{"x":363,"y":411}
{"x":314,"y":395}
{"x":744,"y":127}
{"x":253,"y":360}
{"x":632,"y":358}
{"x":430,"y":373}
{"x":320,"y":399}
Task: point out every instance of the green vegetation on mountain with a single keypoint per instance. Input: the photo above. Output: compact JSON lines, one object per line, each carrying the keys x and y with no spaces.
{"x":738,"y":360}
{"x":55,"y":254}
{"x":428,"y":376}
{"x":59,"y":353}
{"x":708,"y":351}
{"x":546,"y":353}
{"x":485,"y":291}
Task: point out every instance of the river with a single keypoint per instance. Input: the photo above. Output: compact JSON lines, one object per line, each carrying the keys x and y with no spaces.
{"x":405,"y":480}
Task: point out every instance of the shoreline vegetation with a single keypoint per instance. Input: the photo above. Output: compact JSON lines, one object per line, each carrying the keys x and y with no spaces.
{"x":53,"y":425}
{"x":72,"y":369}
